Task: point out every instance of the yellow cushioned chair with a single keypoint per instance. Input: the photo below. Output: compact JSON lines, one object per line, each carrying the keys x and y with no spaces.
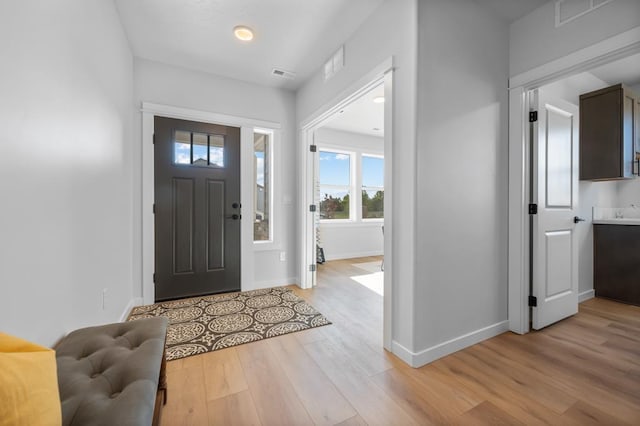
{"x":28,"y":384}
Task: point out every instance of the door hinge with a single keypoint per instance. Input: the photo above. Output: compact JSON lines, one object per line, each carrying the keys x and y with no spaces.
{"x":312,"y":268}
{"x":154,"y":277}
{"x":533,"y":116}
{"x":533,"y":209}
{"x":154,"y":138}
{"x":312,"y":208}
{"x":313,"y":148}
{"x":154,"y":208}
{"x":533,"y":301}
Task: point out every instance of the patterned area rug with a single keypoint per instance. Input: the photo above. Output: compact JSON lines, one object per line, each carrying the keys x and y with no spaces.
{"x":209,"y":323}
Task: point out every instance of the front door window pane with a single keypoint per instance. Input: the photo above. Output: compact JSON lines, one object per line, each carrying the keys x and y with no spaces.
{"x":200,"y":149}
{"x":182,"y":147}
{"x":216,"y":150}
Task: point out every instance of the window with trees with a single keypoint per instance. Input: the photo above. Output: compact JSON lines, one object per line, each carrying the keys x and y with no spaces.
{"x":345,"y":174}
{"x":372,"y":187}
{"x":335,"y":185}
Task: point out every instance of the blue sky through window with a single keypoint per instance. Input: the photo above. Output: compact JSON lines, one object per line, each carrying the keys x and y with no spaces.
{"x":372,"y":171}
{"x":334,"y":168}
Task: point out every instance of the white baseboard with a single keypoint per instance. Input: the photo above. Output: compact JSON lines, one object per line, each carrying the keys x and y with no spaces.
{"x":340,"y":256}
{"x":418,"y":359}
{"x":586,"y":295}
{"x":136,"y":301}
{"x":256,"y":285}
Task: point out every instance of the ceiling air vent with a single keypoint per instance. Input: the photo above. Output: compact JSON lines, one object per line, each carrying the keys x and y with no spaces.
{"x":284,"y":74}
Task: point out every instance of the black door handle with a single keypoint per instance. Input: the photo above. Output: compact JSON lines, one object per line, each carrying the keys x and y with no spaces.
{"x":236,"y":205}
{"x":577,"y":219}
{"x":234,"y":216}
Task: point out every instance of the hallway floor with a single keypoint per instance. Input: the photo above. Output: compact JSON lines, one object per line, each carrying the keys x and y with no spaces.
{"x":583,"y":370}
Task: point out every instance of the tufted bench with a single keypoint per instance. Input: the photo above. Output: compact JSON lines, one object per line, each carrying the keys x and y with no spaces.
{"x":113,"y":374}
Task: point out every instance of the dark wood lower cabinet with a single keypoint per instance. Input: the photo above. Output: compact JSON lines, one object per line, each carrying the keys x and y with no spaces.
{"x":616,"y":262}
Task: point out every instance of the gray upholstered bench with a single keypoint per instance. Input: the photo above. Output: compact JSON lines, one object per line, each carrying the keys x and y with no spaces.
{"x":113,"y":374}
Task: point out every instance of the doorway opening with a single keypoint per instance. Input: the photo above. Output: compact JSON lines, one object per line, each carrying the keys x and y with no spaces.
{"x":346,"y":197}
{"x":552,"y":270}
{"x":349,"y":194}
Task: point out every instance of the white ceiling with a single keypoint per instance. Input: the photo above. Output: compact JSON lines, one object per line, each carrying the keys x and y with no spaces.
{"x":361,"y":116}
{"x":293,"y":35}
{"x":511,"y":10}
{"x":626,"y":71}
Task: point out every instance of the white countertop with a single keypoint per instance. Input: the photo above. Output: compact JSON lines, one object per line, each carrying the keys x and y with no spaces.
{"x":619,"y":221}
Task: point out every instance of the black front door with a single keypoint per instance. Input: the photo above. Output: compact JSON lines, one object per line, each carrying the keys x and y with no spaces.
{"x":197,"y":208}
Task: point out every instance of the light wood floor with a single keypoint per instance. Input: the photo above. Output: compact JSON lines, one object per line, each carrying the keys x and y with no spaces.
{"x":584,"y":370}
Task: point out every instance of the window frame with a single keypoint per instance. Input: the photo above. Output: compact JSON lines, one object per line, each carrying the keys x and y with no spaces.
{"x":355,"y":173}
{"x":352,"y":178}
{"x":270,"y":152}
{"x":362,"y":187}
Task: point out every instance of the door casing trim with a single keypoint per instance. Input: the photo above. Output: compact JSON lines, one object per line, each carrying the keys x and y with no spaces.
{"x":149,"y":111}
{"x":608,"y":50}
{"x":381,"y":74}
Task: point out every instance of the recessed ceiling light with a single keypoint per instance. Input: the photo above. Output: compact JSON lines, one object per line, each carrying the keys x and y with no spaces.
{"x":243,"y":33}
{"x":378,"y":100}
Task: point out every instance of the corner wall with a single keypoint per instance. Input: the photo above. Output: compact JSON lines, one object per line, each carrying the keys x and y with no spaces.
{"x":461,"y":255}
{"x":390,"y":31}
{"x":66,"y":87}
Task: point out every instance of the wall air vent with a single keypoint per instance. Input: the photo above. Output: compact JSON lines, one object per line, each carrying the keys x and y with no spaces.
{"x":290,"y":75}
{"x":568,"y":10}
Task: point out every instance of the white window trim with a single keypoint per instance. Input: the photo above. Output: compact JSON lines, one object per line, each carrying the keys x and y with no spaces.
{"x":352,"y":176}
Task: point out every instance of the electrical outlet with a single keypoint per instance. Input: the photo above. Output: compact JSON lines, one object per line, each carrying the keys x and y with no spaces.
{"x":104,"y":298}
{"x":283,"y":256}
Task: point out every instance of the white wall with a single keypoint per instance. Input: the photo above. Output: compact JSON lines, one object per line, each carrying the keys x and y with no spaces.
{"x":174,"y":86}
{"x":66,"y":167}
{"x":534,"y":40}
{"x":362,"y":238}
{"x":390,"y":31}
{"x":628,"y":193}
{"x":461,"y":258}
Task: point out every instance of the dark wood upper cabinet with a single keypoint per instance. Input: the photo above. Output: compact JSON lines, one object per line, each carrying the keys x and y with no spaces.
{"x":609,"y":134}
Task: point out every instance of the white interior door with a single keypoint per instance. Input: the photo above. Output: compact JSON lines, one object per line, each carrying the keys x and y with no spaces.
{"x":555,"y":190}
